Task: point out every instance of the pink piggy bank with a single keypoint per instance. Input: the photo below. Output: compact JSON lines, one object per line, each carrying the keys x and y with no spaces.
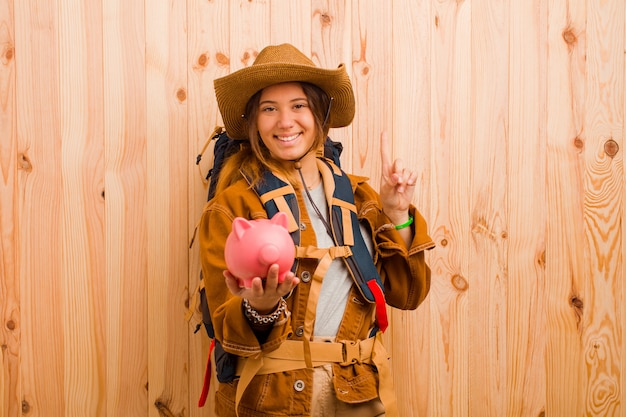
{"x":253,"y":245}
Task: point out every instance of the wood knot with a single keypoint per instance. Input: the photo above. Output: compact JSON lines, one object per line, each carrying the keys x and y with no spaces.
{"x":23,"y":162}
{"x":203,"y":60}
{"x":9,"y":53}
{"x":325,"y":19}
{"x":459,"y":282}
{"x":482,"y":227}
{"x":569,"y":37}
{"x":611,"y":148}
{"x":444,"y":242}
{"x":222,"y":59}
{"x":25,"y":407}
{"x":11,"y":325}
{"x":248,"y":56}
{"x":163,"y":410}
{"x":579,"y":143}
{"x":576,"y":302}
{"x":577,"y":306}
{"x":541,"y":259}
{"x":181,"y":95}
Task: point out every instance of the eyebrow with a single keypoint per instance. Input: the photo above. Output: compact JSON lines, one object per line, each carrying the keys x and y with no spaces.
{"x":291,"y":101}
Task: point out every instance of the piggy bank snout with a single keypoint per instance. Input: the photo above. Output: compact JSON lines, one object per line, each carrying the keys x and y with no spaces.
{"x":269,"y":254}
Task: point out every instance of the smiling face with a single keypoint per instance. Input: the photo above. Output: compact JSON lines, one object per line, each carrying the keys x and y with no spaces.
{"x":285,"y":122}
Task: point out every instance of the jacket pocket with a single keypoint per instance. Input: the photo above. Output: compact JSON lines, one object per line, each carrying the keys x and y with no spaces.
{"x":282,"y":393}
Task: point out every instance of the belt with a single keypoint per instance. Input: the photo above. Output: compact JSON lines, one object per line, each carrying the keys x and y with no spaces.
{"x":297,"y":354}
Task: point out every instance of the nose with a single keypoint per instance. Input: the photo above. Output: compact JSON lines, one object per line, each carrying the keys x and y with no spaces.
{"x":285,"y":120}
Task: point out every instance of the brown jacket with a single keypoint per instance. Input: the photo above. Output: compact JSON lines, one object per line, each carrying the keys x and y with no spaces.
{"x":404,"y":272}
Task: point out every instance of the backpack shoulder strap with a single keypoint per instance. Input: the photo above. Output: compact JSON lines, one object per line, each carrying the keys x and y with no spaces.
{"x":277,"y":195}
{"x":347,"y":232}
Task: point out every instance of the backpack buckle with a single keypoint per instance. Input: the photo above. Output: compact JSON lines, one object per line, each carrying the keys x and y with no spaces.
{"x":351,"y":353}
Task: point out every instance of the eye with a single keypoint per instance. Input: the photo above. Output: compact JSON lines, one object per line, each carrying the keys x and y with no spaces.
{"x":267,"y":109}
{"x":299,"y":106}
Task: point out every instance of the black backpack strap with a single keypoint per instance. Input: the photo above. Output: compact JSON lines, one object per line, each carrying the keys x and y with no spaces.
{"x":347,"y":232}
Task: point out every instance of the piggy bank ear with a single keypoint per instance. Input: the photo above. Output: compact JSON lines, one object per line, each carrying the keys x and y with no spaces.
{"x":280,"y":219}
{"x":240,"y":225}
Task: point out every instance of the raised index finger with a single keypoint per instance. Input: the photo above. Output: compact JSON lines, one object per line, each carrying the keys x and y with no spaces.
{"x":384,"y":151}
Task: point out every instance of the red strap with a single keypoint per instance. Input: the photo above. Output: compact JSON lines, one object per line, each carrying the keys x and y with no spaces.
{"x":381,"y":305}
{"x":207,"y":377}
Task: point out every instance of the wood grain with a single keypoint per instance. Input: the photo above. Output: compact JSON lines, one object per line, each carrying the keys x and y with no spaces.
{"x":82,"y":207}
{"x":488,"y":273}
{"x":622,"y":312}
{"x":330,"y":47}
{"x":291,"y":21}
{"x":603,"y":202}
{"x":39,"y":187}
{"x":249,"y":31}
{"x":450,"y":135}
{"x":526,"y":299}
{"x":411,"y":128}
{"x":371,"y":70}
{"x":10,"y":383}
{"x":167,"y":215}
{"x":125,"y":207}
{"x":565,"y":248}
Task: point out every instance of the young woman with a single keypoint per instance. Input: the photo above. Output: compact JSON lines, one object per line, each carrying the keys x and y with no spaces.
{"x":311,"y":344}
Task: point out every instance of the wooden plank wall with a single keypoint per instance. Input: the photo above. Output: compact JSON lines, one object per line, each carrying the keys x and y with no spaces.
{"x":511,"y":112}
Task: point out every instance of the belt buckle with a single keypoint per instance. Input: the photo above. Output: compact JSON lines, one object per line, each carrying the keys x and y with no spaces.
{"x":351,"y":353}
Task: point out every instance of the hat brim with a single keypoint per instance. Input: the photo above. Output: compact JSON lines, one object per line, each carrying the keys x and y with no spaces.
{"x":234,"y":90}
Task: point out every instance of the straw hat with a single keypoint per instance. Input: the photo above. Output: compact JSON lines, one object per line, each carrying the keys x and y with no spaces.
{"x":278,"y":64}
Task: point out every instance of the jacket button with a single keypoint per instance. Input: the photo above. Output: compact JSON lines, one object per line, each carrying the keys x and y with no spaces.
{"x":302,"y":227}
{"x":306,"y":276}
{"x":300,"y":331}
{"x":299,"y":385}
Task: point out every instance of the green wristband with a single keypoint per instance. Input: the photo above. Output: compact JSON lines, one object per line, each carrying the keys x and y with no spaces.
{"x":405,"y":224}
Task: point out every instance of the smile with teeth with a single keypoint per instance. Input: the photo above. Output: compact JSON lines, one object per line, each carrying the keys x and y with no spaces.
{"x":288,"y":138}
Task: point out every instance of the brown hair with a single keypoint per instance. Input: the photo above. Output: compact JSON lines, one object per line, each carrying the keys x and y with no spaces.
{"x":254,"y":157}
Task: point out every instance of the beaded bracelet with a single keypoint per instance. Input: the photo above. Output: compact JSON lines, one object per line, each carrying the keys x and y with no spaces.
{"x":405,"y":224}
{"x":255,"y":318}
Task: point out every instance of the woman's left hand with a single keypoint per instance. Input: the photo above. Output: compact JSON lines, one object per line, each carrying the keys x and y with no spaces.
{"x":397,"y":184}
